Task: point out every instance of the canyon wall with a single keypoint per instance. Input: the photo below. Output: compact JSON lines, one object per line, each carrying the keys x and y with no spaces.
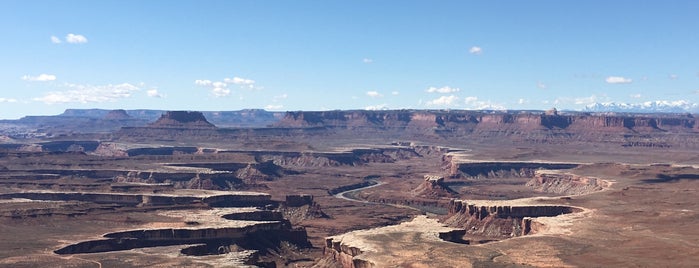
{"x":500,"y":169}
{"x":628,"y":130}
{"x":499,"y":221}
{"x":487,"y":119}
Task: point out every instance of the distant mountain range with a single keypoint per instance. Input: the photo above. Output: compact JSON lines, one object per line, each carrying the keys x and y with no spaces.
{"x":680,"y":106}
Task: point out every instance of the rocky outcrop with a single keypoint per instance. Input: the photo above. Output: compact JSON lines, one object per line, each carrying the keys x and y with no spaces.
{"x":499,"y":220}
{"x":182,"y":119}
{"x":297,"y":208}
{"x":566,"y":183}
{"x":434,"y":187}
{"x":111,"y":149}
{"x":344,"y":255}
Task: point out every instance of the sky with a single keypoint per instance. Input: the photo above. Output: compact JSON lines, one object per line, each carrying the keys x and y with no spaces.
{"x":328,"y":55}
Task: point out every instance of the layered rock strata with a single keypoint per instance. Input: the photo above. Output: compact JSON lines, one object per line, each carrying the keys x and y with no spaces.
{"x":499,"y":220}
{"x":549,"y":181}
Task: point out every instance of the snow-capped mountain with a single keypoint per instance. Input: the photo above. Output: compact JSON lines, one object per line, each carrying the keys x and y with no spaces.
{"x":680,"y":106}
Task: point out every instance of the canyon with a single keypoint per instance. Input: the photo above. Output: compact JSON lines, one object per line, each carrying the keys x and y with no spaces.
{"x":402,"y":188}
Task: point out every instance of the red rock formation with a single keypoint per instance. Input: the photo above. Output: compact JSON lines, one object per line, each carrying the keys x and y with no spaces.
{"x":499,"y":221}
{"x":434,"y":187}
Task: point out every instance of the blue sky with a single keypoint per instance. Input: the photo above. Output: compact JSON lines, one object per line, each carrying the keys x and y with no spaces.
{"x":319,"y":55}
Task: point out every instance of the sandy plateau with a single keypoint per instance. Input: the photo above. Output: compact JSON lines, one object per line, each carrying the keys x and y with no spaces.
{"x":406,"y":188}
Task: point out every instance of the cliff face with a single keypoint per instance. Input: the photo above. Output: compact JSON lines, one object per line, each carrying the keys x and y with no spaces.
{"x":483,"y":120}
{"x":499,"y":221}
{"x":567,"y":184}
{"x":500,"y":169}
{"x":531,"y":127}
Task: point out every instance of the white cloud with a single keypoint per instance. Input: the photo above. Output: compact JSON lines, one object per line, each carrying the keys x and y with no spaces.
{"x":540,"y":85}
{"x":395,"y":93}
{"x":377,"y":107}
{"x":219,"y":84}
{"x":76,"y":39}
{"x":618,"y":80}
{"x":242,"y":82}
{"x":88,"y":93}
{"x":274,"y":107}
{"x":476,"y":50}
{"x":239,"y":81}
{"x":522,"y":101}
{"x":443,"y":101}
{"x":367,"y":60}
{"x":474,"y":103}
{"x":40,"y":78}
{"x":55,"y":40}
{"x":374,"y":94}
{"x":220,"y":91}
{"x":488,"y":105}
{"x":635,"y":96}
{"x":202,"y":82}
{"x":673,"y":76}
{"x":443,"y":90}
{"x":153,"y":93}
{"x":8,"y":100}
{"x":220,"y":88}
